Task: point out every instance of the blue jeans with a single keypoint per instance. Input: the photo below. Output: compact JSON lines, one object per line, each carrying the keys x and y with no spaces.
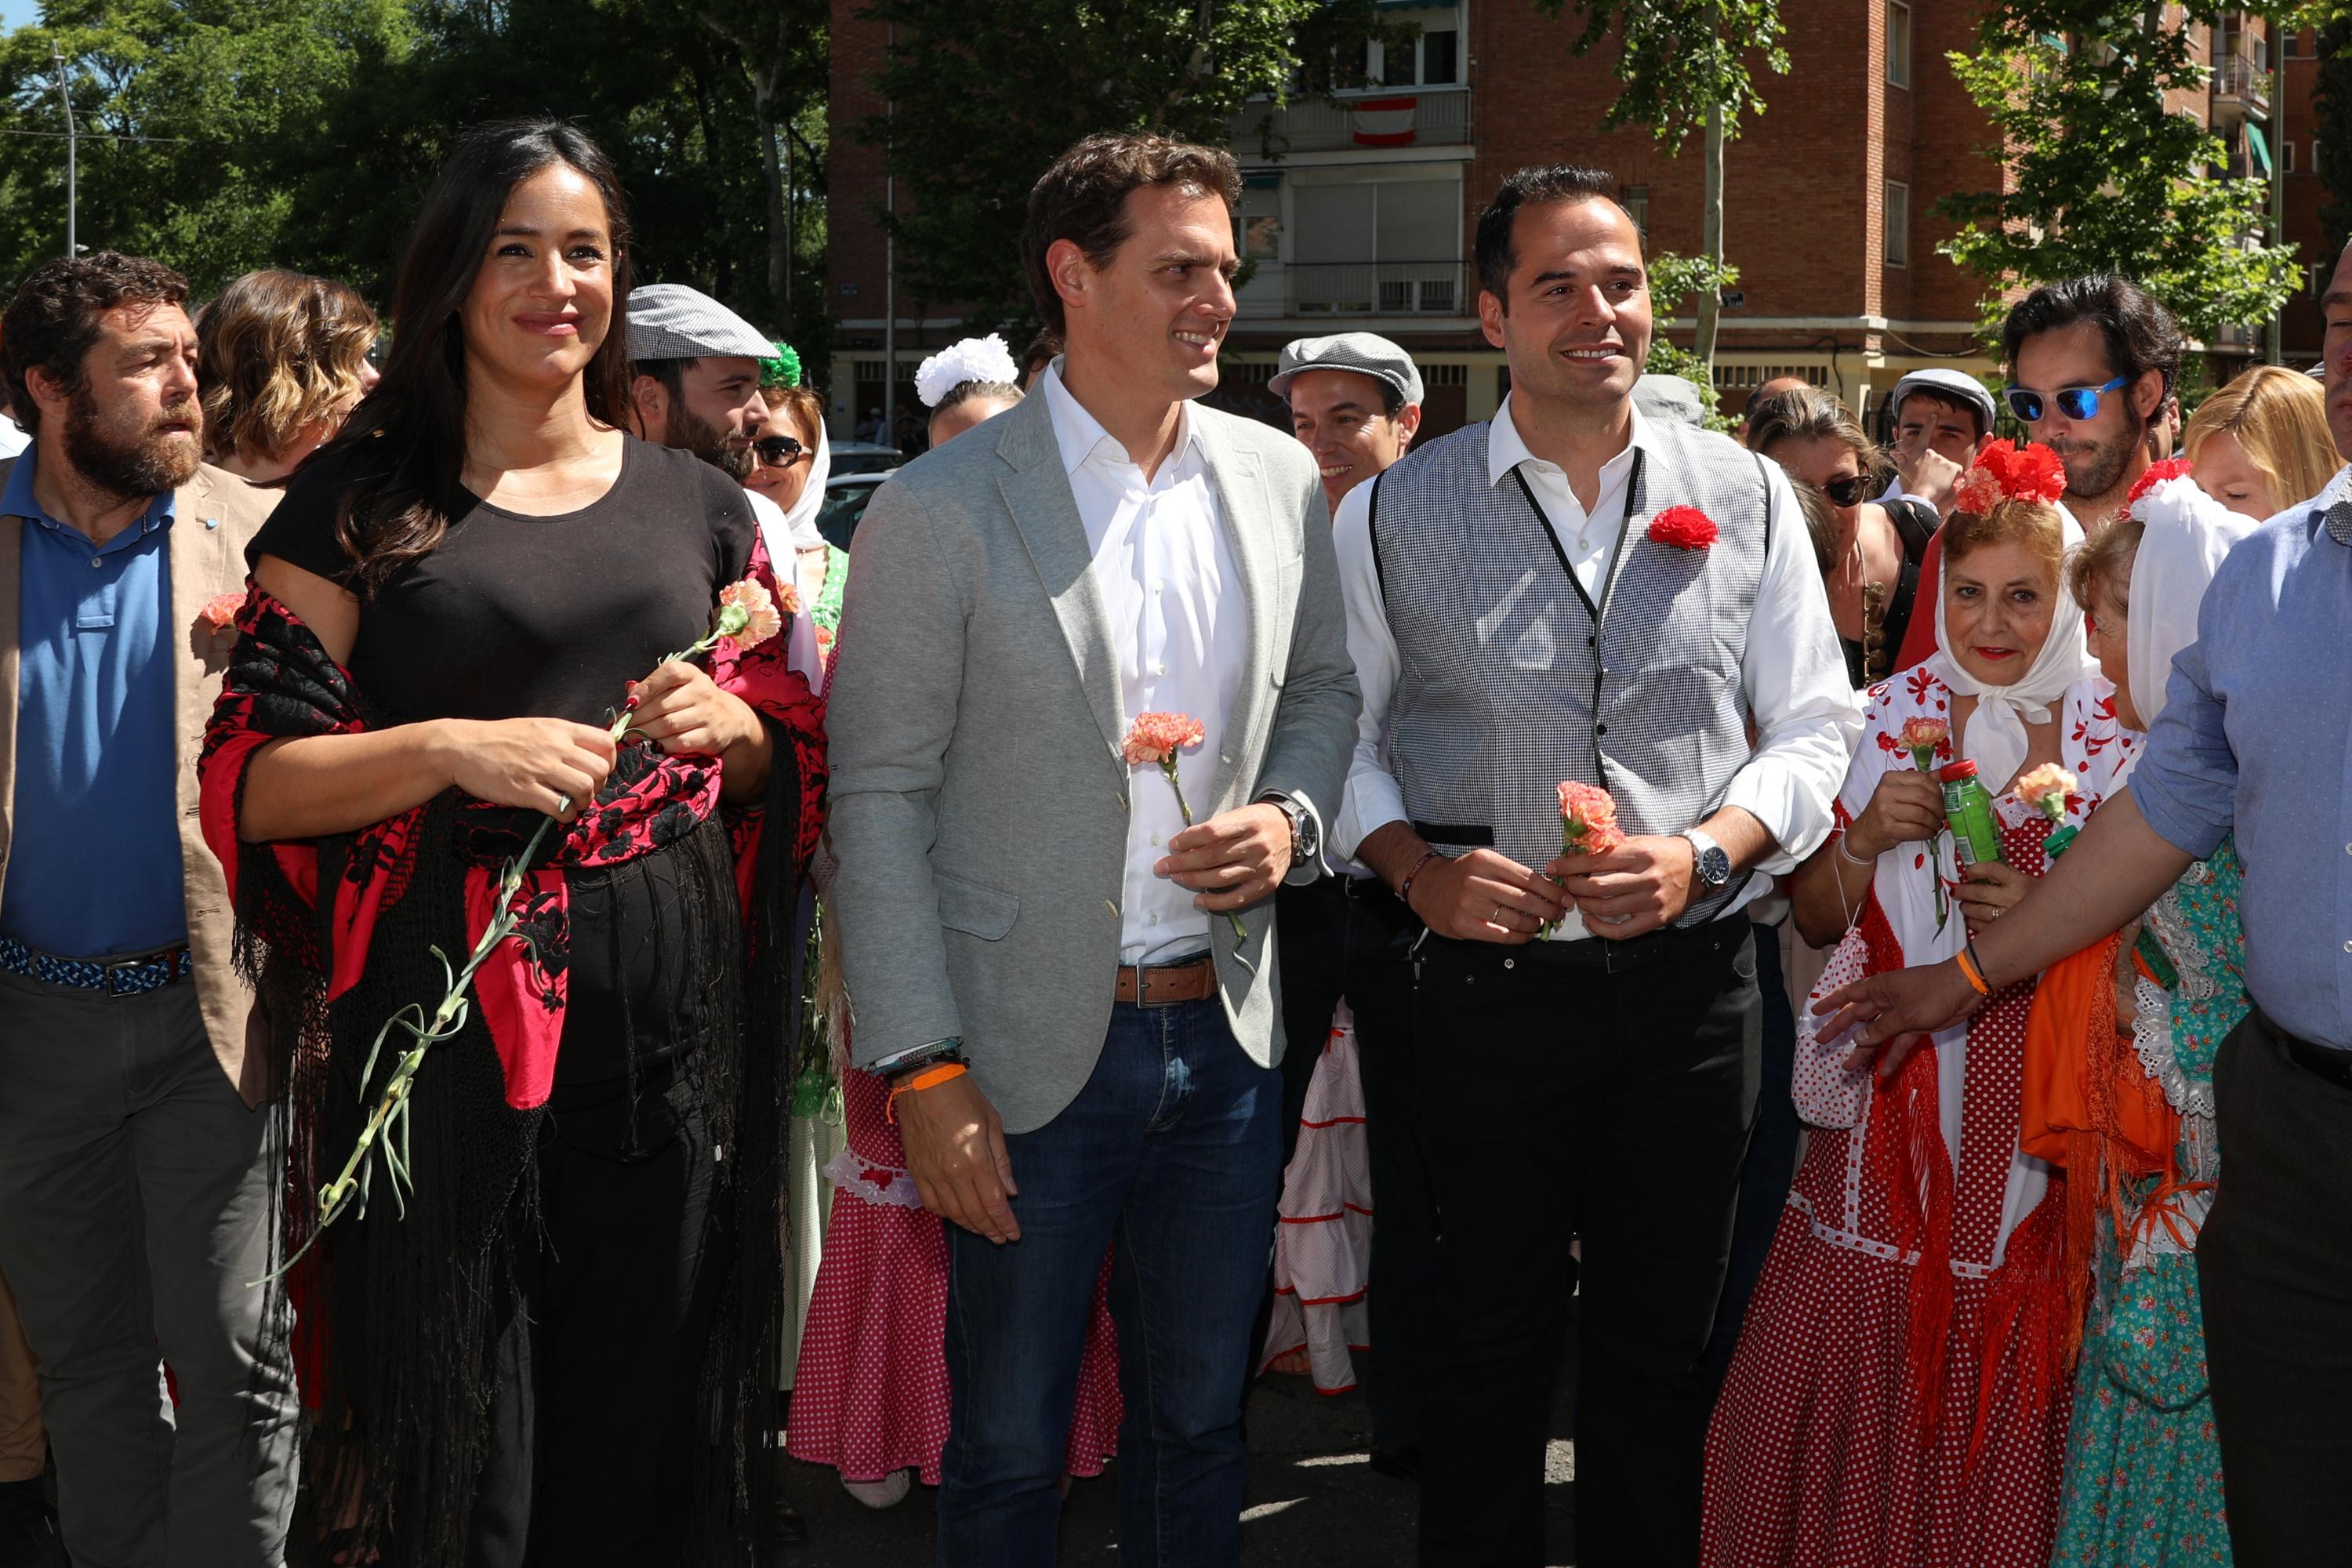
{"x":1171,"y":1153}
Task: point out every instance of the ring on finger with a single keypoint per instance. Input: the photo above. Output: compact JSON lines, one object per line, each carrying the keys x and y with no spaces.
{"x":563,"y":804}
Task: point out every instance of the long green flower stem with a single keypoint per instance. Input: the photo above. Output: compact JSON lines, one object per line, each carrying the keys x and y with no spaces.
{"x":387,"y":1127}
{"x":1168,"y":766}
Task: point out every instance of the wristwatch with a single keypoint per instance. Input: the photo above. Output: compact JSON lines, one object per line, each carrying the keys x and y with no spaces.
{"x":1708,"y":859}
{"x":1306,"y":837}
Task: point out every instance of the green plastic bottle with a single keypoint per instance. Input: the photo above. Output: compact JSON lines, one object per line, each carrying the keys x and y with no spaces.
{"x":1976,"y":836}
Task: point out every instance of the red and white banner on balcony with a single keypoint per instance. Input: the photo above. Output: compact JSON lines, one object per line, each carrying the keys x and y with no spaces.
{"x":1384,"y":121}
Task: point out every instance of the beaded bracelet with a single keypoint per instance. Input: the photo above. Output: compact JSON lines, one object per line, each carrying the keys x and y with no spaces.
{"x":1405,"y":889}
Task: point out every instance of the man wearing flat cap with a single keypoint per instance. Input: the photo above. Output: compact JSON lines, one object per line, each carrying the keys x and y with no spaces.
{"x":1941,"y":419}
{"x":694,"y":383}
{"x":1355,"y":404}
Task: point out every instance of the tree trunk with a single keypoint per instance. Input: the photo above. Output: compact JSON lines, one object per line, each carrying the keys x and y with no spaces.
{"x":1710,"y":299}
{"x":780,"y":252}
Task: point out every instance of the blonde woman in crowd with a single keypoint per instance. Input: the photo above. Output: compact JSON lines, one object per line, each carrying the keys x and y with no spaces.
{"x":2261,"y":444}
{"x":281,"y":361}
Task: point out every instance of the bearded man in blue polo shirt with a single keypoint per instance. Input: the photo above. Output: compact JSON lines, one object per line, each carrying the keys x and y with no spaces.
{"x":135,"y":1171}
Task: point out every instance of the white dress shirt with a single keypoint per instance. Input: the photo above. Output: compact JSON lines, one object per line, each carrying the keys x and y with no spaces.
{"x":1165,"y":567}
{"x":1807,"y":719}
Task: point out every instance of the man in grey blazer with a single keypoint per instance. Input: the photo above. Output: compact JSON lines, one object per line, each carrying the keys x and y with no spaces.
{"x":1072,"y":992}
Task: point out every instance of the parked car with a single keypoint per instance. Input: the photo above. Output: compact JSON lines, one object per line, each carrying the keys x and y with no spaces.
{"x":845,"y":496}
{"x":862,"y":458}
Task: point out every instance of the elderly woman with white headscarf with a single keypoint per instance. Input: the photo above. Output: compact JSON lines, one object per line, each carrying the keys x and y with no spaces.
{"x":2134,"y":1097}
{"x":1900,"y":1395}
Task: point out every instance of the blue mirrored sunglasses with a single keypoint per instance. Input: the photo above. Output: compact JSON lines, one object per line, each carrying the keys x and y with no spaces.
{"x":2073,"y":402}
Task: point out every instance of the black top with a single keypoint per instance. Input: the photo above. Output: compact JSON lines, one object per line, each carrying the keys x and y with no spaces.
{"x":517,"y":616}
{"x":1914,"y":523}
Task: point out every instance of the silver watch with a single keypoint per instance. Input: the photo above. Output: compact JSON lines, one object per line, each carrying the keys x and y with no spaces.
{"x":1306,"y":839}
{"x":1708,"y":859}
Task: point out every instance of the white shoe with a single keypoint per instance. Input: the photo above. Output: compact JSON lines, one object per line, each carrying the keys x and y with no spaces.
{"x":889,"y":1492}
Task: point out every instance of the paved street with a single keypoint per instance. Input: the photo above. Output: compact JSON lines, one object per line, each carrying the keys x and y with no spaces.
{"x":1314,"y":1500}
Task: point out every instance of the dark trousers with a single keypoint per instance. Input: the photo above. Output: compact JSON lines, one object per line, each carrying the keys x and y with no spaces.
{"x":1341,"y":940}
{"x":1559,"y":1101}
{"x":2275,"y":1268}
{"x":1771,"y":1163}
{"x":1169,"y":1156}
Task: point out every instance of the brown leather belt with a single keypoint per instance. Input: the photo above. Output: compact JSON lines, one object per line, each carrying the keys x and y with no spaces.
{"x":1163,"y":985}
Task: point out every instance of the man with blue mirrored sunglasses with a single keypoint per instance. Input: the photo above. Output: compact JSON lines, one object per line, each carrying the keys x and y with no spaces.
{"x":2092,"y":361}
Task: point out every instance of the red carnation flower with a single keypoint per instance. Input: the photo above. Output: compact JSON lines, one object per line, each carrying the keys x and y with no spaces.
{"x":2037,"y":474}
{"x":1683,"y":527}
{"x":221,"y":610}
{"x":2170,"y":468}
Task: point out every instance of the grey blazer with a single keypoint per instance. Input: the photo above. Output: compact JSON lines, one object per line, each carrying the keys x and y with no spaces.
{"x":978,"y":804}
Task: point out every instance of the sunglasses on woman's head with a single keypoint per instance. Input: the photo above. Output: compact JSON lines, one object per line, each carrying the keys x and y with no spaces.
{"x":779,"y":451}
{"x":1847,"y":491}
{"x":2073,"y":402}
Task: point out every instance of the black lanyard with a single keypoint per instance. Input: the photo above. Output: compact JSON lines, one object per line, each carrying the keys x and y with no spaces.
{"x":1616,"y":558}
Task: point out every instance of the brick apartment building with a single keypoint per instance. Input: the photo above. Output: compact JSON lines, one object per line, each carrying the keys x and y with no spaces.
{"x":1364,"y":220}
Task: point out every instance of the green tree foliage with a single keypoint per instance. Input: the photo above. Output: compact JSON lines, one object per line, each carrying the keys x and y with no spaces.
{"x":983,"y":98}
{"x":2103,"y":175}
{"x":222,"y":135}
{"x":1683,"y":67}
{"x":1674,"y":281}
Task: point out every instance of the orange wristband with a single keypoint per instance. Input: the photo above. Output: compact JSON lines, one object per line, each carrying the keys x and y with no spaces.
{"x":929,"y":1078}
{"x":1971,"y":974}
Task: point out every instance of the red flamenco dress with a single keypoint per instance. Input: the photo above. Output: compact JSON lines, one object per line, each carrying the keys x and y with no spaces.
{"x":1900,"y":1395}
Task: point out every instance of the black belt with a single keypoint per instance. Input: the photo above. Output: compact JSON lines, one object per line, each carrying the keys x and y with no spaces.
{"x":2320,"y":1061}
{"x":1594,"y":956}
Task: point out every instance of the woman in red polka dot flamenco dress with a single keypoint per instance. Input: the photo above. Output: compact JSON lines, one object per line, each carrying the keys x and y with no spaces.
{"x":1900,"y":1393}
{"x":870,"y":1393}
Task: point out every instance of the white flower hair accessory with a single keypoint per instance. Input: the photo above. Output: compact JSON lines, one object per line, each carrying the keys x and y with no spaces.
{"x":974,"y":359}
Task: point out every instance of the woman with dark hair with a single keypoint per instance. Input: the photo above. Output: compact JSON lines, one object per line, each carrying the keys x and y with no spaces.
{"x":559,"y":1348}
{"x":281,"y":361}
{"x":1872,"y":576}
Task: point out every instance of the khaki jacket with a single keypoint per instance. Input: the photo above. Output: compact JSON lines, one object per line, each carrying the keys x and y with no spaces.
{"x":217,"y":514}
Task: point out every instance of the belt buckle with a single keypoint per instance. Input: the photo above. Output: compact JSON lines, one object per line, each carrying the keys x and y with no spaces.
{"x":113,"y":967}
{"x":1141,"y":998}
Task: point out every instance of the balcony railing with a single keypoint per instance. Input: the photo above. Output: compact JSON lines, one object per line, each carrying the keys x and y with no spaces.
{"x":1408,"y":117}
{"x":2241,"y":86}
{"x":1341,"y":289}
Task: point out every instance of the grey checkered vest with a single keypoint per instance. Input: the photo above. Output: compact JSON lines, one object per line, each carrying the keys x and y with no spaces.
{"x":1509,"y":681}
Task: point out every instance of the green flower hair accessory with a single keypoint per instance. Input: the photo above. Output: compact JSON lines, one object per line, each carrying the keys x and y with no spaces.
{"x":784,"y":370}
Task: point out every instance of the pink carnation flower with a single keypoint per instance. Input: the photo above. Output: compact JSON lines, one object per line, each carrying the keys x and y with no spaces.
{"x":1588,"y":817}
{"x":748,"y":613}
{"x":220,"y":611}
{"x":1157,"y":737}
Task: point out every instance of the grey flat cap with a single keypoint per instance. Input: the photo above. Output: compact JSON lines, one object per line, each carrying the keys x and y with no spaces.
{"x":1951,"y":385}
{"x":1366,"y":353}
{"x":1669,"y":398}
{"x":670,"y":321}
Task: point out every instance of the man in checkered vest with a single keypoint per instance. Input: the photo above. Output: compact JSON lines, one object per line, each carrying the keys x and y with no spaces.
{"x":1573,"y":595}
